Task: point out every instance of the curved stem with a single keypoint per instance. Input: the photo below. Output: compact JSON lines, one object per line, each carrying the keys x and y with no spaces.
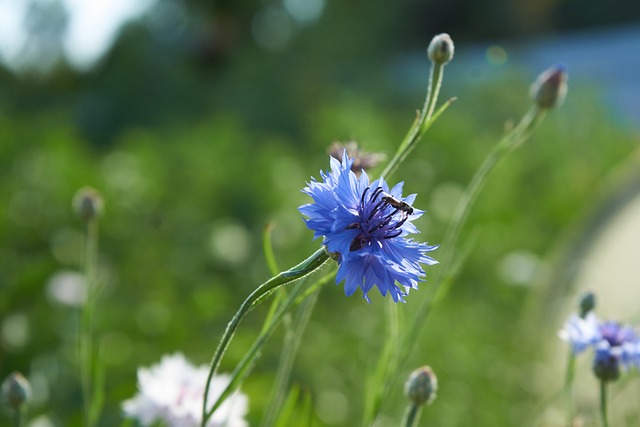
{"x":243,"y":368}
{"x":293,"y":274}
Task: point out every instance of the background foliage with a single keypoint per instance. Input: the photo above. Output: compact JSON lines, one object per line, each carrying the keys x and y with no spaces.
{"x":198,"y":140}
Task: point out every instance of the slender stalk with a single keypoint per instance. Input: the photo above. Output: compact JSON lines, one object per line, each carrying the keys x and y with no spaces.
{"x":568,"y":386}
{"x":243,"y":368}
{"x":421,"y":123}
{"x":412,"y":416}
{"x":17,"y":417}
{"x":509,"y":142}
{"x":292,"y":344}
{"x":444,"y":279}
{"x":386,"y":363}
{"x":307,"y":266}
{"x":85,"y":332}
{"x":603,"y":403}
{"x":378,"y":385}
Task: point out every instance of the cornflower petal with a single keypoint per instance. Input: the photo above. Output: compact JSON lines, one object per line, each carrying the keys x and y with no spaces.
{"x":581,"y":333}
{"x":366,"y":225}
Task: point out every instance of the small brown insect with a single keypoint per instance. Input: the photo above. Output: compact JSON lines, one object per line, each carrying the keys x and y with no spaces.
{"x":398,"y":204}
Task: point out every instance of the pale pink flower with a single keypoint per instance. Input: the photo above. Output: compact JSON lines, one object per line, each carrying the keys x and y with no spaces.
{"x":173,"y":391}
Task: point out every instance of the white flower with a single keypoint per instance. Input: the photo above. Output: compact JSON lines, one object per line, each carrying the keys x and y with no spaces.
{"x":173,"y":391}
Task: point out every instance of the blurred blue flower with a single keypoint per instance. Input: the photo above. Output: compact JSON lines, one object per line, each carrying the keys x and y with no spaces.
{"x":581,"y":332}
{"x":366,"y":226}
{"x":616,"y":346}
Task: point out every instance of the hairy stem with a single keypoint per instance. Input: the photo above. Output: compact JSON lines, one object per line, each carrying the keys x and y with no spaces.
{"x":307,"y":266}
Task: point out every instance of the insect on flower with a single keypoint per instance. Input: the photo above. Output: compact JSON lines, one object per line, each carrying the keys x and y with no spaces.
{"x":400,"y":205}
{"x":366,"y":225}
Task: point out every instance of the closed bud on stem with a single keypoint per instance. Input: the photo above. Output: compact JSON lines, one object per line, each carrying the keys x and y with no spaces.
{"x":586,"y":303}
{"x":362,"y":160}
{"x":16,"y":390}
{"x":88,"y":203}
{"x":550,"y":87}
{"x":440,"y":49}
{"x":606,"y":364}
{"x":421,"y":387}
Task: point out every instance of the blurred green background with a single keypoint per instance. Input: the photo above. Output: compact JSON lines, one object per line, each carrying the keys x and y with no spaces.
{"x":202,"y":122}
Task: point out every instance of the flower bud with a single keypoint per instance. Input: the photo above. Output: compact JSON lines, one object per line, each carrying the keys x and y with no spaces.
{"x":87,"y":203}
{"x":362,"y":160}
{"x":606,"y":364}
{"x":16,"y":390}
{"x":550,"y":87}
{"x":422,"y":385}
{"x":440,"y":49}
{"x":586,"y":304}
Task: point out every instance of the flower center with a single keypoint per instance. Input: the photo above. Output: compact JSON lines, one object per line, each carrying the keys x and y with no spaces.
{"x":616,"y":334}
{"x":381,"y":216}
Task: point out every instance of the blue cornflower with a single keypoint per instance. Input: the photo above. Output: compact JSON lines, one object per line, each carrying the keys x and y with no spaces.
{"x":616,"y":346}
{"x":366,"y":226}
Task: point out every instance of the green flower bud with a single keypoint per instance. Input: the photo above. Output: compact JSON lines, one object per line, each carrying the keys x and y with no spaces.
{"x":606,"y":364}
{"x":87,"y":203}
{"x":440,"y":49}
{"x":16,"y":390}
{"x":550,"y":87}
{"x":586,"y":303}
{"x":421,"y":387}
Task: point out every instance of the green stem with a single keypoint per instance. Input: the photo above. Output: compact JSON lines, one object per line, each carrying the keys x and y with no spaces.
{"x":378,"y":387}
{"x":603,"y":403}
{"x":444,"y":279}
{"x":413,"y":136}
{"x":85,"y":333}
{"x":17,"y":417}
{"x":307,"y":266}
{"x":243,"y":368}
{"x":568,"y":386}
{"x":509,"y":142}
{"x":412,"y":416}
{"x":421,"y":123}
{"x":290,"y":349}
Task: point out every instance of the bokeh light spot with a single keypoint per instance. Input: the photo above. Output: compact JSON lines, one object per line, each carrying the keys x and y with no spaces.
{"x":66,"y":287}
{"x":496,"y":55}
{"x":115,"y":348}
{"x":15,"y":331}
{"x":332,"y":407}
{"x":444,"y":199}
{"x":230,"y":242}
{"x":304,"y":11}
{"x":271,"y":28}
{"x":25,"y":208}
{"x":153,"y":318}
{"x":518,"y":267}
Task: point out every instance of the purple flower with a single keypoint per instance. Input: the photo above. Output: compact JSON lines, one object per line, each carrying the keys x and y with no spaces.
{"x":616,"y":346}
{"x":366,"y":226}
